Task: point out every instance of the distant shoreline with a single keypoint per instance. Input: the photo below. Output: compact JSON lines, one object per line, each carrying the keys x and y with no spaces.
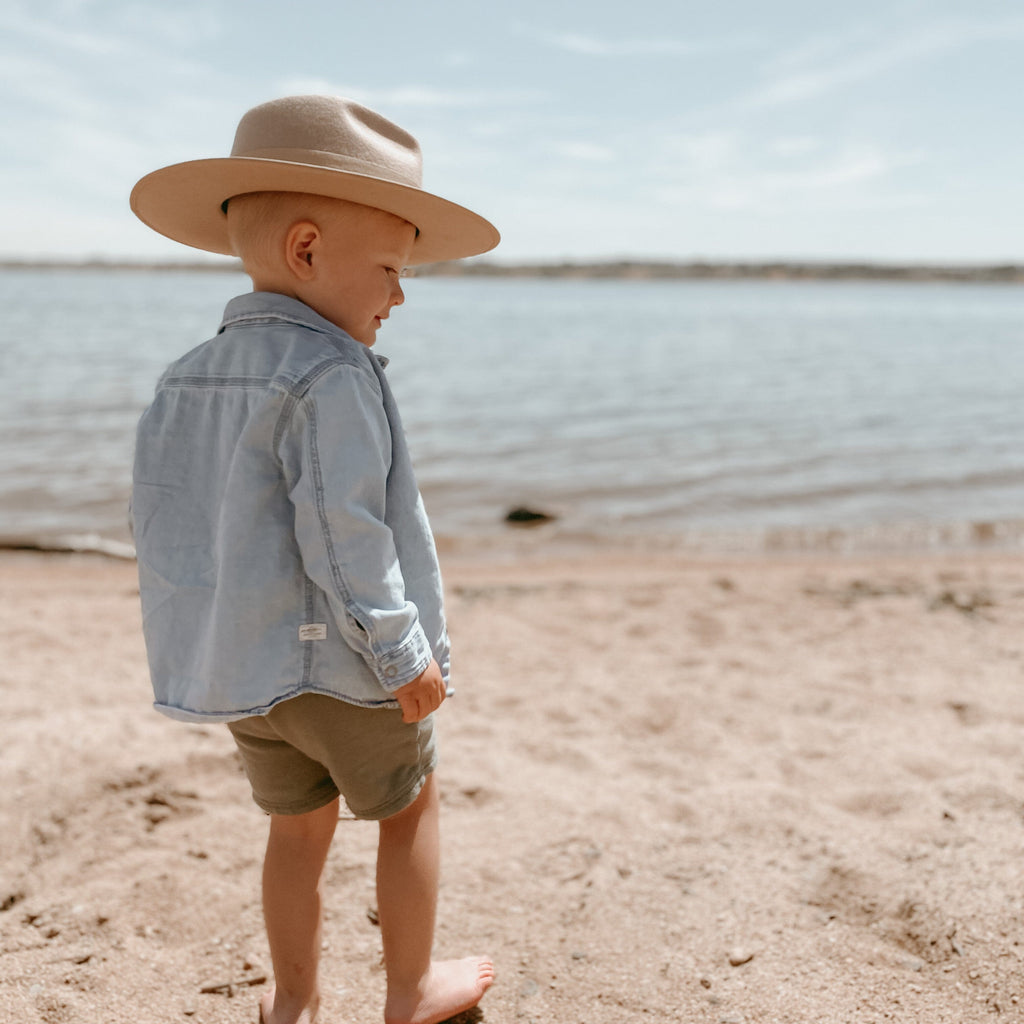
{"x":635,"y":270}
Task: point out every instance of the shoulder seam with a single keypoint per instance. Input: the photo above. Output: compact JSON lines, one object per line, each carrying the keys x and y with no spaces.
{"x":299,"y":391}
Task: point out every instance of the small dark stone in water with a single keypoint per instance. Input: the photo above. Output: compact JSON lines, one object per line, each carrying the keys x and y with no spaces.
{"x":528,"y":517}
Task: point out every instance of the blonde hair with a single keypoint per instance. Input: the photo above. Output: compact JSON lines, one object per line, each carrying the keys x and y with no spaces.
{"x":259,"y":221}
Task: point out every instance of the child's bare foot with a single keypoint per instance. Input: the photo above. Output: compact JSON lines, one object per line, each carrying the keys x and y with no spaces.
{"x":272,"y":1013}
{"x":450,"y":987}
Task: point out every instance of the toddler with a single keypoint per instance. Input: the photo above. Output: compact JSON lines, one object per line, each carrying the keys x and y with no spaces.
{"x":288,"y":576}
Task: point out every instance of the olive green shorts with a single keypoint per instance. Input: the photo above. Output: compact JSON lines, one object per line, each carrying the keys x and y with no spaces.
{"x":309,"y":749}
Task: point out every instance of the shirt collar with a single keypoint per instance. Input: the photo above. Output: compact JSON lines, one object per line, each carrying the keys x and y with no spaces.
{"x":263,"y":306}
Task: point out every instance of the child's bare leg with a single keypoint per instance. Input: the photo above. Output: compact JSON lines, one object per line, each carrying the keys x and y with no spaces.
{"x":296,"y":853}
{"x":408,"y":860}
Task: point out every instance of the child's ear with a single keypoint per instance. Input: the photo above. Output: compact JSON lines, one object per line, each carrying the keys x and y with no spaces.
{"x":302,"y":245}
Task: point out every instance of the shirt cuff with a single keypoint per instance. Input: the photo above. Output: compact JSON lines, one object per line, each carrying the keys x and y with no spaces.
{"x":407,"y":661}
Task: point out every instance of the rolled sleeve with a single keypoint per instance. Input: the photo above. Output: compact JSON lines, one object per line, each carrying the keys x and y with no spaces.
{"x":337,"y":456}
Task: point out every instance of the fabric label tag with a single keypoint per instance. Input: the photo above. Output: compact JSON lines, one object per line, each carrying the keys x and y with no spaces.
{"x":313,"y":631}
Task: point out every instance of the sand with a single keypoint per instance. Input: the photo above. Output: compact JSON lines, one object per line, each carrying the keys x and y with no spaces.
{"x":675,"y":789}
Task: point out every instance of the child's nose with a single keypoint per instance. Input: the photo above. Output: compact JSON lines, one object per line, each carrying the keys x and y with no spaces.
{"x":397,"y":295}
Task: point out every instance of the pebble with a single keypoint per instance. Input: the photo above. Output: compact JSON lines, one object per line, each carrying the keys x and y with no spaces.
{"x":10,"y":900}
{"x":523,"y":516}
{"x":739,"y":957}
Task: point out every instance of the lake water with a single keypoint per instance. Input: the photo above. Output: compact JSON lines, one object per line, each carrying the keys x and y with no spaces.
{"x":742,"y":413}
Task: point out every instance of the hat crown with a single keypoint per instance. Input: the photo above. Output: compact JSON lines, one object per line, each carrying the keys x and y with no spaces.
{"x":320,"y":145}
{"x":329,"y":131}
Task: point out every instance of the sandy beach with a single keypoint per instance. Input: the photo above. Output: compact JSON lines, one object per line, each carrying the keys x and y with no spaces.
{"x":676,"y":788}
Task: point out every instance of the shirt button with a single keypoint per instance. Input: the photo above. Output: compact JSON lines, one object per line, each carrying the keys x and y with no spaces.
{"x":391,"y":671}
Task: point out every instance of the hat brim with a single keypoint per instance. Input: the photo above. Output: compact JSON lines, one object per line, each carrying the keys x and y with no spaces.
{"x":184,"y":202}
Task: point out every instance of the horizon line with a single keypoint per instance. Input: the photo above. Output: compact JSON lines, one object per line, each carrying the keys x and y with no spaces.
{"x":631,"y":268}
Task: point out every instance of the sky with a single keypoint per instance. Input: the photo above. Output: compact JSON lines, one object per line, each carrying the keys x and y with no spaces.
{"x":885,"y":130}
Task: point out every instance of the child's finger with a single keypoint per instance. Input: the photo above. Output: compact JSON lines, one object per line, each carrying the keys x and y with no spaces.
{"x":421,"y":701}
{"x":413,"y":709}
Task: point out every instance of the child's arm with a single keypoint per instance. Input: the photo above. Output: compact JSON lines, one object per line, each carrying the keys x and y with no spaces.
{"x":337,"y":457}
{"x":423,"y":695}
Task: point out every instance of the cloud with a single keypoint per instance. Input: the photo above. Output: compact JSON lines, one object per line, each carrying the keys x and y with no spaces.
{"x":179,"y":24}
{"x":594,"y":47}
{"x":702,"y":152}
{"x":839,"y":62}
{"x":112,"y":30}
{"x":589,"y":152}
{"x":854,"y":166}
{"x":88,"y":63}
{"x":16,"y":23}
{"x":31,"y":84}
{"x":409,"y":95}
{"x":794,"y":145}
{"x":854,"y":177}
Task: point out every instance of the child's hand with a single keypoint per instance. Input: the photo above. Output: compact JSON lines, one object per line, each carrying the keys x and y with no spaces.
{"x":423,"y":695}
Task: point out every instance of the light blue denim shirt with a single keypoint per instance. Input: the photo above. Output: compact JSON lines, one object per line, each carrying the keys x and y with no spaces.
{"x":282,"y":543}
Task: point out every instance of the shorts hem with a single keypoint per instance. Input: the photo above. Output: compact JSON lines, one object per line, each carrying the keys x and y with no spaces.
{"x":400,"y":802}
{"x":321,"y":798}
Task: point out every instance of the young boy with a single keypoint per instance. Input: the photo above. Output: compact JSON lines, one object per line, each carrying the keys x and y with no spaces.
{"x":288,"y":576}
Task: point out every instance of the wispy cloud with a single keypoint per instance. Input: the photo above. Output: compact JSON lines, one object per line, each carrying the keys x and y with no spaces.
{"x":593,"y":46}
{"x":178,"y":24}
{"x":854,"y":166}
{"x":80,"y":64}
{"x":96,"y":94}
{"x":587,"y":152}
{"x":118,"y":28}
{"x":820,"y":66}
{"x":794,"y":145}
{"x":751,"y":178}
{"x":39,"y":86}
{"x":407,"y":96}
{"x":701,"y":152}
{"x":17,"y":24}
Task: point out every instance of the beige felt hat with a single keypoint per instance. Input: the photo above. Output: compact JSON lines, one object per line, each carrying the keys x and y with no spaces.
{"x":324,"y":145}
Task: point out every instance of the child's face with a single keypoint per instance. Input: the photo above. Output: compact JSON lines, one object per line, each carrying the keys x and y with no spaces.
{"x":360,"y":255}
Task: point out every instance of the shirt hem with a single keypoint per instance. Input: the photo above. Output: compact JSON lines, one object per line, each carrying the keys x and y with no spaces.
{"x":182,"y":714}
